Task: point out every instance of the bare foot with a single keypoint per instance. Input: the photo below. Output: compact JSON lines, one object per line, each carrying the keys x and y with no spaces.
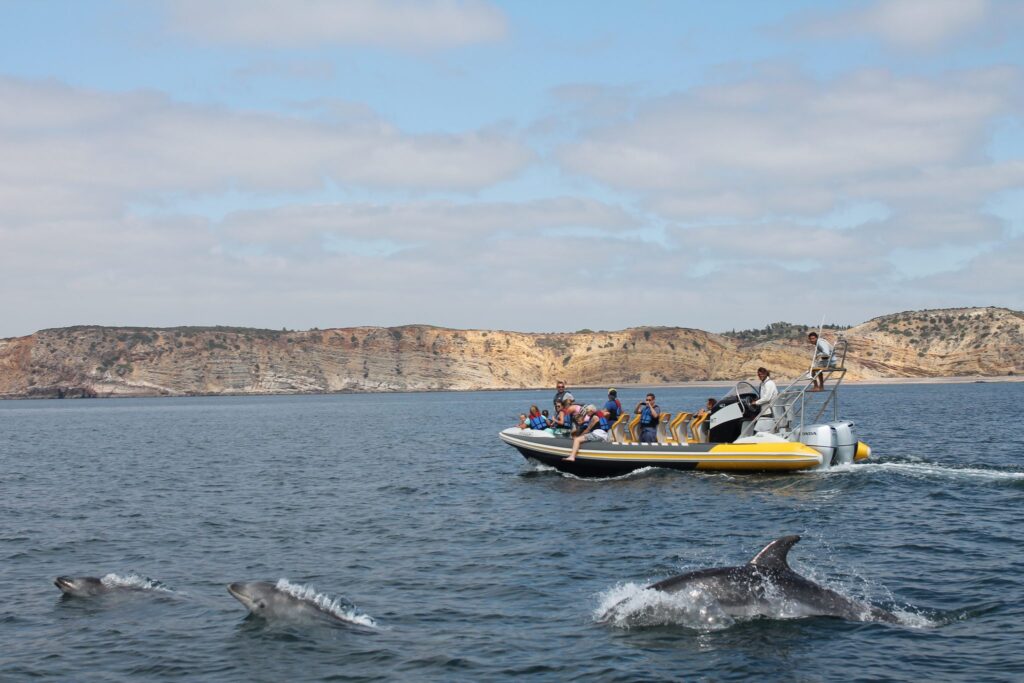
{"x":571,"y":458}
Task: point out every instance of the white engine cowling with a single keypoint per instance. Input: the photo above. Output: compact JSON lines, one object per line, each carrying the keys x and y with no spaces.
{"x":846,"y":442}
{"x":821,"y":438}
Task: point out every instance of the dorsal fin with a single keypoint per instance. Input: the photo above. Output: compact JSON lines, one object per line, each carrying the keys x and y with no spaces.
{"x":773,"y":555}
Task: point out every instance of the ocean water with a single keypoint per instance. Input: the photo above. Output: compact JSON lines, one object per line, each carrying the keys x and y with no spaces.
{"x":462,"y":561}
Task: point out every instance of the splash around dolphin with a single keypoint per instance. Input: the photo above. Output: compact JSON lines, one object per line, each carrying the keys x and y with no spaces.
{"x":764,"y":587}
{"x":92,"y":586}
{"x":285,"y":600}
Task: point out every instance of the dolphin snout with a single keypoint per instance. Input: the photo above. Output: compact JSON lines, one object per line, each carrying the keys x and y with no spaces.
{"x":63,"y":583}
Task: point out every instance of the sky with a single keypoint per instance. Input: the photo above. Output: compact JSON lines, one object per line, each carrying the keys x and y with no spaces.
{"x":532,"y":166}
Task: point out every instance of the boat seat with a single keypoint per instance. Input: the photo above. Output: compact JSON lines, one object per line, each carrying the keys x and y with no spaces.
{"x":677,"y":435}
{"x":620,"y":430}
{"x":664,"y":420}
{"x":695,"y":435}
{"x":631,"y":428}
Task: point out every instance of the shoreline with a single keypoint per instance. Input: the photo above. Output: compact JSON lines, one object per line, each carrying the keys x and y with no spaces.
{"x":696,"y":384}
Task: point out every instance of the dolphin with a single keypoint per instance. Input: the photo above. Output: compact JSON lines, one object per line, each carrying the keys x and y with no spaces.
{"x":271,"y":601}
{"x":90,"y":586}
{"x":81,"y":586}
{"x":767,"y":586}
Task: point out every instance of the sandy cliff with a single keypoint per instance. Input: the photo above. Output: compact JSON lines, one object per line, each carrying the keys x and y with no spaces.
{"x":103,"y":361}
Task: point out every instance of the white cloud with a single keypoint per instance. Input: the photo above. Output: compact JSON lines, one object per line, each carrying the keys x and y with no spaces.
{"x":402,"y":24}
{"x":108,"y":148}
{"x":756,"y":150}
{"x":424,"y":221}
{"x":993,"y":278}
{"x":721,"y":138}
{"x":908,"y":24}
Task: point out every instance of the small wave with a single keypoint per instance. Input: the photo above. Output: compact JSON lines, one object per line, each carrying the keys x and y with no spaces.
{"x":338,"y":607}
{"x":643,"y":471}
{"x":135,"y":581}
{"x":915,"y":619}
{"x":632,"y":605}
{"x":932,"y":470}
{"x":540,"y":468}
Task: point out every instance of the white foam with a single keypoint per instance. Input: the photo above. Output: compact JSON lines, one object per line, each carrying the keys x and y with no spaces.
{"x":337,"y":607}
{"x":923,"y":469}
{"x":133,"y":581}
{"x":599,"y":480}
{"x":632,"y":605}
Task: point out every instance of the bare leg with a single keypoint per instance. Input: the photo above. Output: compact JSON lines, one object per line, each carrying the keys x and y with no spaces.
{"x":576,"y":441}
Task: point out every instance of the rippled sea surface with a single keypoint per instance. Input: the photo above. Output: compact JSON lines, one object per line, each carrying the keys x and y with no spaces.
{"x":477,"y":565}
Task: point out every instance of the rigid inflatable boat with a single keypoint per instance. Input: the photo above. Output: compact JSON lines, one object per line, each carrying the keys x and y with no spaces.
{"x":799,"y":430}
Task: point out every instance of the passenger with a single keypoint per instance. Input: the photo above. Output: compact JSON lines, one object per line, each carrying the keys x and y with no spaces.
{"x":561,"y":394}
{"x":563,"y":421}
{"x":571,"y":408}
{"x":704,"y":429}
{"x":822,"y":359}
{"x":537,"y":421}
{"x":591,"y":425}
{"x":649,"y":414}
{"x":523,"y":422}
{"x":613,"y":408}
{"x":768,"y":389}
{"x":708,"y":407}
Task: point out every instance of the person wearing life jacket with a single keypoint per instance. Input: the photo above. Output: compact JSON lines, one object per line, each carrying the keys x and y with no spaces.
{"x":613,"y":408}
{"x":649,"y":415}
{"x":591,"y":425}
{"x":562,"y":424}
{"x":537,"y":421}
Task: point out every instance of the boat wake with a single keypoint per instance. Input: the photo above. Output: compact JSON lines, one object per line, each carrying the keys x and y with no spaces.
{"x":539,"y":468}
{"x":337,"y":607}
{"x":926,"y":470}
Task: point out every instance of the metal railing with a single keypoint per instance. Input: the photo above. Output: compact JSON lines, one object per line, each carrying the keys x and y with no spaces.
{"x":787,"y":411}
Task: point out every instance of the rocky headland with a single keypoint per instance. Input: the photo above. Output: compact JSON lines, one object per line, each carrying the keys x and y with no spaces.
{"x":88,"y":361}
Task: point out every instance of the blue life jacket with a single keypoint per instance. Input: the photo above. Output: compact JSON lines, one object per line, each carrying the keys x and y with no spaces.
{"x":614,"y":409}
{"x":538,"y":422}
{"x":647,"y":418}
{"x":604,"y":424}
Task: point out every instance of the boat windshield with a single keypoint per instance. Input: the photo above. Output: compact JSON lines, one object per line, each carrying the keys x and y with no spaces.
{"x":741,"y":389}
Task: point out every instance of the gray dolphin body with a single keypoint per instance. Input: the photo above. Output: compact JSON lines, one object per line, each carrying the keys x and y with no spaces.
{"x":766,"y":586}
{"x":265,"y":599}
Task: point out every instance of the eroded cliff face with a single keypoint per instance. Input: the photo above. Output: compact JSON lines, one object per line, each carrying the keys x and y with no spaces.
{"x":103,"y":361}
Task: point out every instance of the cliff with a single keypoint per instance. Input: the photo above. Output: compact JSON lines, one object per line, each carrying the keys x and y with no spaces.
{"x":104,"y":361}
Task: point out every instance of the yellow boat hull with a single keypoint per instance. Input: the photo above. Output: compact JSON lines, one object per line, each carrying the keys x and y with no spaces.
{"x":597,"y":458}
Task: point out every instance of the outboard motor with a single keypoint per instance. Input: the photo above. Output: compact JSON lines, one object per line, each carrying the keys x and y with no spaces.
{"x":846,"y":442}
{"x":821,"y":438}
